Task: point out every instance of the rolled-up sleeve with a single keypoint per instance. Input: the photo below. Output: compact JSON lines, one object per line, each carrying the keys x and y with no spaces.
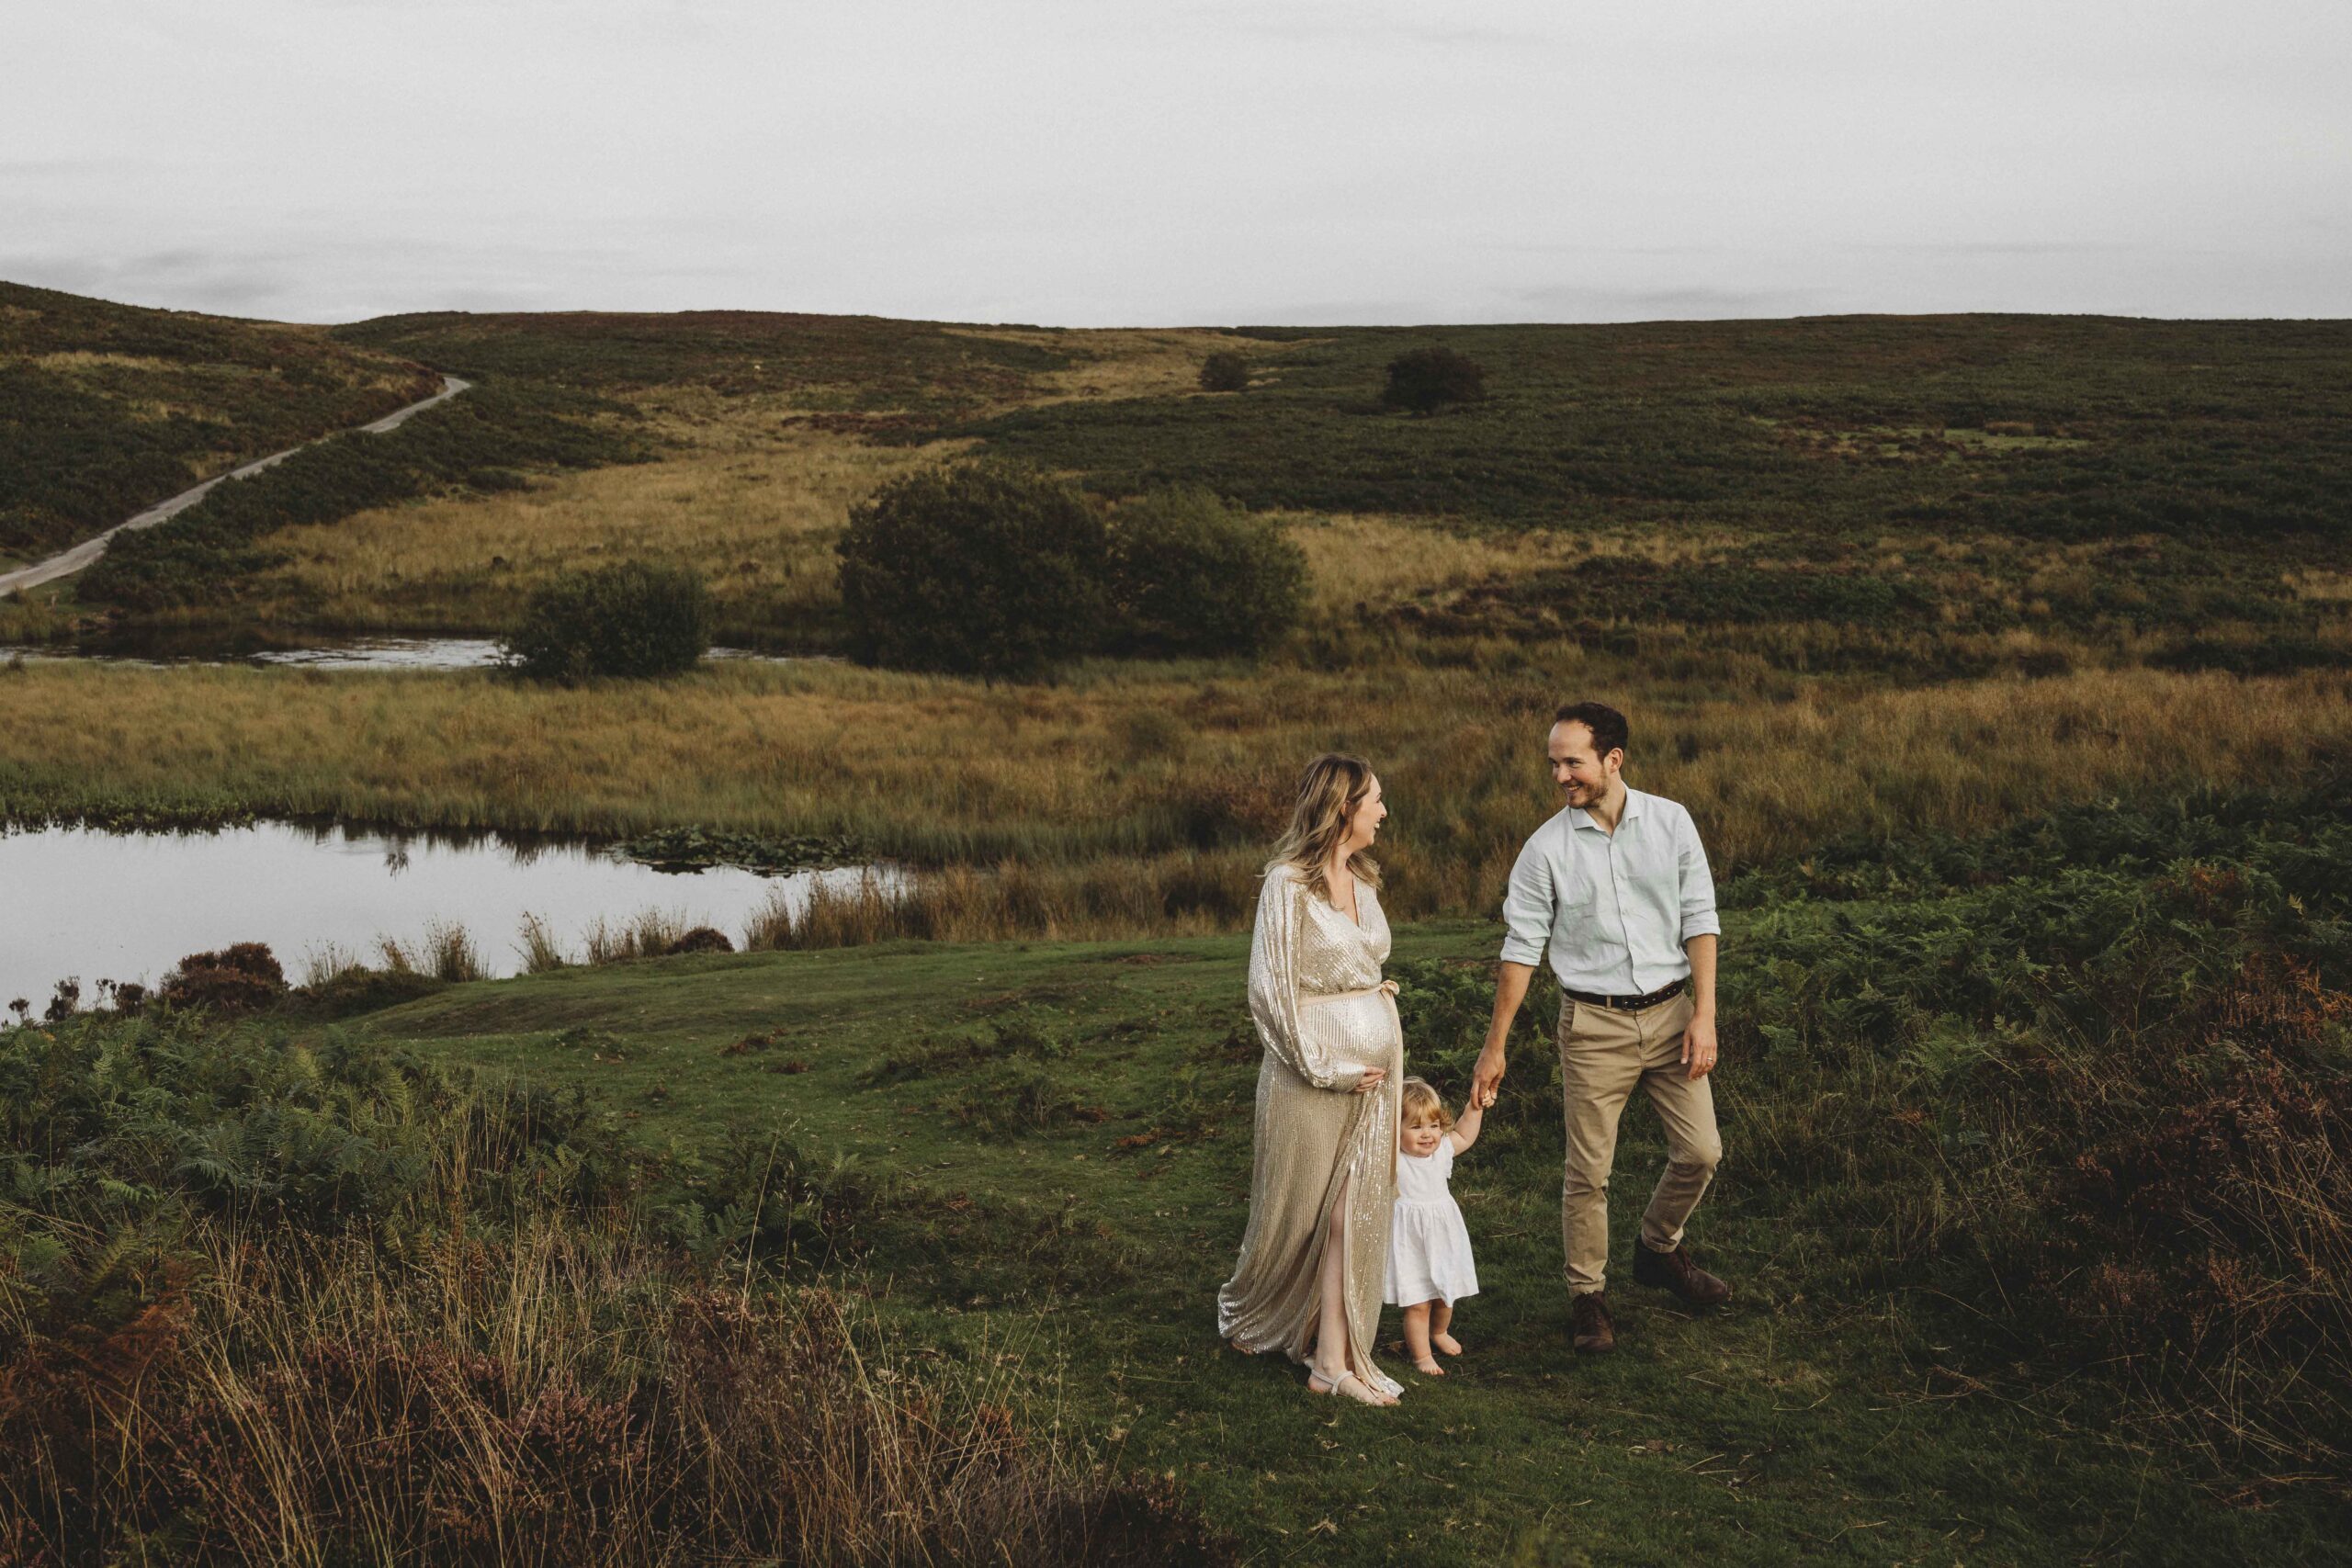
{"x":1698,"y":881}
{"x":1527,"y":907}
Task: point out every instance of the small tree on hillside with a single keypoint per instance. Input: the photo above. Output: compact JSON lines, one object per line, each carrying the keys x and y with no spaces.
{"x":1225,"y":371}
{"x":1426,"y":379}
{"x":979,"y":570}
{"x":1191,"y":573}
{"x":632,"y":618}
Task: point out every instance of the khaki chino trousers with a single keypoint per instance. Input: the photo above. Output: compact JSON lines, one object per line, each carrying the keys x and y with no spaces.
{"x":1603,"y":1053}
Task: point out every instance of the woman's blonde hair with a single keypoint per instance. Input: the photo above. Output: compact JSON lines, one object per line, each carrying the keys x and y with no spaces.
{"x":1331,"y":789}
{"x":1420,"y":1100}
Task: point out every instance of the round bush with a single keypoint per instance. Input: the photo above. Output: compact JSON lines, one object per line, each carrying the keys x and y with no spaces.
{"x":1225,"y":371}
{"x":1191,"y":573}
{"x":977,"y":569}
{"x":633,"y":618}
{"x":1426,"y":379}
{"x":243,"y":977}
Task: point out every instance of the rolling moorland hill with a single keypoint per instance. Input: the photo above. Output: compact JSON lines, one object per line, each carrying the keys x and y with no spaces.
{"x":1925,"y":497}
{"x":2006,"y":662}
{"x":105,"y":409}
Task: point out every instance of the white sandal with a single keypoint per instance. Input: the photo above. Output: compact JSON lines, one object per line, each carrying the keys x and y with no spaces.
{"x":1318,"y":1384}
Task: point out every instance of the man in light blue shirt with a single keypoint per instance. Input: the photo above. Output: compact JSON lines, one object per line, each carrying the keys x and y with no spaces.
{"x":1617,"y":887}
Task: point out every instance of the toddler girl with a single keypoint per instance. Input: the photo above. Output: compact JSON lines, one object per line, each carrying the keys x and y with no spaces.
{"x":1428,"y":1246}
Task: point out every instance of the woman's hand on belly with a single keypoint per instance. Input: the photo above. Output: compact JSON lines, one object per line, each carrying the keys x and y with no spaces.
{"x":1371,"y":1081}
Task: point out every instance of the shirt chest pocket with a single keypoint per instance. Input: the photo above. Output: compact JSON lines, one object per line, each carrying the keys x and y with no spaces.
{"x":1577,"y":906}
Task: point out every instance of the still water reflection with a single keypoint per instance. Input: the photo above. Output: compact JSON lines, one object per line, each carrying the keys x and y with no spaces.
{"x":126,"y":907}
{"x":356,"y":653}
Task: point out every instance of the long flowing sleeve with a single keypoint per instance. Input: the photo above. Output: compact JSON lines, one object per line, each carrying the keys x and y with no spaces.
{"x":1274,"y":984}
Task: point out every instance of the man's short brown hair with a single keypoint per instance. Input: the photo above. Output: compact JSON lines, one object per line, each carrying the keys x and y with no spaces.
{"x":1608,"y":726}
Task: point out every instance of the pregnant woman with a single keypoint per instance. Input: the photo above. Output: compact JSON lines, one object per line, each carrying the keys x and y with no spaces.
{"x":1315,"y":1252}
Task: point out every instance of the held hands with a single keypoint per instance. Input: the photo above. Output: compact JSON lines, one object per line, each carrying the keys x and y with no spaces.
{"x":1699,"y":1048}
{"x":1486,"y":1078}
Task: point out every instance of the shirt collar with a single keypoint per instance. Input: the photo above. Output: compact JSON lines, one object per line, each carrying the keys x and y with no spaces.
{"x":1579,"y":817}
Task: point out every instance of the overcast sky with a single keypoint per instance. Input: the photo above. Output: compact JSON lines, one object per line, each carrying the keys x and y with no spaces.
{"x":1160,"y":162}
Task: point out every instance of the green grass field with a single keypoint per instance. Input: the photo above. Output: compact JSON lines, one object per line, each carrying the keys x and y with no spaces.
{"x":1801,"y":1423}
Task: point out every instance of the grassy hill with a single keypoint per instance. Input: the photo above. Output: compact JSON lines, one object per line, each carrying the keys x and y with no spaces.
{"x":2003,"y":660}
{"x":1927,"y":497}
{"x":106,"y":409}
{"x":2026,"y":1274}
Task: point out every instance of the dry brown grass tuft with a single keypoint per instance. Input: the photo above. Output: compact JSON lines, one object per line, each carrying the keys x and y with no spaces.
{"x":558,"y":1397}
{"x":1363,"y":563}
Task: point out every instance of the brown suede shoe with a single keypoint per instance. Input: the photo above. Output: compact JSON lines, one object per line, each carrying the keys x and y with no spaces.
{"x":1589,"y":1324}
{"x":1675,"y":1271}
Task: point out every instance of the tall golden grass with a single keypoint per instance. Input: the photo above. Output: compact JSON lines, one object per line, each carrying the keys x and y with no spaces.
{"x":1177,"y":773}
{"x":564,"y":1394}
{"x":753,"y":501}
{"x":1368,"y":561}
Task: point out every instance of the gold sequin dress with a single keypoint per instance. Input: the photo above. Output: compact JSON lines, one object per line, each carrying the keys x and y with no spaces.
{"x":1324,"y":1017}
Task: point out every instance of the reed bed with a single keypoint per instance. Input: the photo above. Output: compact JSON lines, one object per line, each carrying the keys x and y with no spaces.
{"x":652,"y":934}
{"x":447,"y":952}
{"x":1121,"y":897}
{"x":1173,"y":767}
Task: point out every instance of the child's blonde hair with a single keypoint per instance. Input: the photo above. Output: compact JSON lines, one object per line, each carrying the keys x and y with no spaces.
{"x":1421,"y":1100}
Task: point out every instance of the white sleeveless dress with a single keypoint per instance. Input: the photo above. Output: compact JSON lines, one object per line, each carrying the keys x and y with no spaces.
{"x":1428,"y":1246}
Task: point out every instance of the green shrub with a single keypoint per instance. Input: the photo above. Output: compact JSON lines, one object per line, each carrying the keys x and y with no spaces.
{"x":632,"y":618}
{"x":1191,"y":573}
{"x":1225,"y":371}
{"x":978,"y":569}
{"x":243,"y":977}
{"x":1426,"y":379}
{"x":358,"y":989}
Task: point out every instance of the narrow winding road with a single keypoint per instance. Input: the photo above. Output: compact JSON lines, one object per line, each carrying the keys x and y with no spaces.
{"x":68,"y":562}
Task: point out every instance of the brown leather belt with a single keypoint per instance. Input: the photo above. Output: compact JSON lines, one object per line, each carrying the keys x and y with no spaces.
{"x":1627,"y":1004}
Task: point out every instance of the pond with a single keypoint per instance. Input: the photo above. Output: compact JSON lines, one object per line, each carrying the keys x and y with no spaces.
{"x":127,"y":907}
{"x":341,"y":653}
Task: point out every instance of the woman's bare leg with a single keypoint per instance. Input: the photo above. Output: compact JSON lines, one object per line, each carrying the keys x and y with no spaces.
{"x":1442,"y":1319}
{"x":1331,"y":1359}
{"x":1416,"y":1338}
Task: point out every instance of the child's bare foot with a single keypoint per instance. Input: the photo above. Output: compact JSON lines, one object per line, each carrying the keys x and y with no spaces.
{"x":1427,"y":1364}
{"x":1447,"y":1343}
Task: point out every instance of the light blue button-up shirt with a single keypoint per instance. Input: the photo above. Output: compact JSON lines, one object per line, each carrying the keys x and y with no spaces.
{"x":1614,"y":908}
